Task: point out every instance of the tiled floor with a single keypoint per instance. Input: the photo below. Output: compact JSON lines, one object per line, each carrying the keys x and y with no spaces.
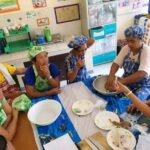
{"x":104,"y":69}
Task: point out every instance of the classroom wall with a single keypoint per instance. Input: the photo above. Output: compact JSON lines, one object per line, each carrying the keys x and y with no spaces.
{"x":124,"y":19}
{"x":66,"y":29}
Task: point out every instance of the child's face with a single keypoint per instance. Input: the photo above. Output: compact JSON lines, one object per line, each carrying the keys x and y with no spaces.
{"x":81,"y":51}
{"x":42,"y":59}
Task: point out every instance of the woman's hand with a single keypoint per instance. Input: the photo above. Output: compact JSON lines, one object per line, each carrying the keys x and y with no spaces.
{"x":80,"y":63}
{"x":45,"y":71}
{"x":54,"y":91}
{"x":110,"y":84}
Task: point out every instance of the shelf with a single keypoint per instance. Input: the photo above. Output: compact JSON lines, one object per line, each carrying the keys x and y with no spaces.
{"x":17,"y":32}
{"x":18,"y":45}
{"x":1,"y":33}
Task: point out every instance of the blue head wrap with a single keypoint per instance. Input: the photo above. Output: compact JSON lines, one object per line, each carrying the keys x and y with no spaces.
{"x":134,"y":31}
{"x":77,"y":41}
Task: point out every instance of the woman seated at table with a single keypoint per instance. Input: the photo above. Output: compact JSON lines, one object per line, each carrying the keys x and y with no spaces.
{"x":75,"y":61}
{"x":135,"y":60}
{"x":143,"y":107}
{"x":7,"y":83}
{"x":41,"y":78}
{"x":8,"y":120}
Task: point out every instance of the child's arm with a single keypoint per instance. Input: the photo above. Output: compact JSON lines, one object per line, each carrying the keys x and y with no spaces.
{"x":6,"y":108}
{"x":8,"y":111}
{"x":9,"y":132}
{"x":141,"y":106}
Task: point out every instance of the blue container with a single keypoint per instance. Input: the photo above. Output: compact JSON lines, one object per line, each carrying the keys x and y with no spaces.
{"x":41,"y":39}
{"x":97,"y":33}
{"x":111,"y":28}
{"x":1,"y":46}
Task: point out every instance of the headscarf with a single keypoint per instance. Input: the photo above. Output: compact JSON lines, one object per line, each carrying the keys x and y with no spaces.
{"x":77,"y":41}
{"x":35,"y":50}
{"x":134,"y":31}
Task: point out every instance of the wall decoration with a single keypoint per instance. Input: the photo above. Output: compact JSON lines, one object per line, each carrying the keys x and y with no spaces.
{"x":67,"y":13}
{"x":136,"y":4}
{"x":31,"y":14}
{"x":123,"y":3}
{"x":43,"y":21}
{"x":39,"y":3}
{"x":8,"y":5}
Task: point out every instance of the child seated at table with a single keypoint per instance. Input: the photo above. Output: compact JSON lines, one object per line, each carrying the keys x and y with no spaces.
{"x":41,"y":78}
{"x":75,"y":62}
{"x":7,"y":83}
{"x":8,"y":119}
{"x":143,"y":107}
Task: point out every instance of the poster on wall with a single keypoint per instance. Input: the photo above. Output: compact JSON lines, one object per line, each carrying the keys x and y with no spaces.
{"x":31,"y":14}
{"x":8,"y":5}
{"x":39,"y":3}
{"x":132,"y":6}
{"x":123,"y":3}
{"x":136,"y":4}
{"x":67,"y":13}
{"x":43,"y":21}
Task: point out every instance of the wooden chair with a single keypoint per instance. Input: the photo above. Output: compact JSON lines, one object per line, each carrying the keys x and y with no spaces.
{"x":59,"y":61}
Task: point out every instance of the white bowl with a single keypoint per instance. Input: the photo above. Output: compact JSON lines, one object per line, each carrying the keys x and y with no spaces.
{"x":44,"y":112}
{"x":121,"y":139}
{"x":99,"y":85}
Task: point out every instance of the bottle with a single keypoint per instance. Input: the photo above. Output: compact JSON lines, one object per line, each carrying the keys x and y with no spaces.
{"x":6,"y":31}
{"x":47,"y":34}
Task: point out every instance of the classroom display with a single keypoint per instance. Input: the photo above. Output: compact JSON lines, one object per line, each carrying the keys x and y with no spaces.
{"x":11,"y":43}
{"x":99,"y":22}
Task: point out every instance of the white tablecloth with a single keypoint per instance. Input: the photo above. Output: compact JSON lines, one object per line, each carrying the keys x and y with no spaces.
{"x":84,"y":125}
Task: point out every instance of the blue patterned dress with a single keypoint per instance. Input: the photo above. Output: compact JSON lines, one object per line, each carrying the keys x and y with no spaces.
{"x":70,"y":64}
{"x":140,"y":88}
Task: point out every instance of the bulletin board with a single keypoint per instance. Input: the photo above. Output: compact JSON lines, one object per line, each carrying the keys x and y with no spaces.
{"x":7,"y":6}
{"x":131,"y":6}
{"x":67,"y":13}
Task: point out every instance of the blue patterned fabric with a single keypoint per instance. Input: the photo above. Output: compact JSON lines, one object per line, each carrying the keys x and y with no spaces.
{"x":134,"y":31}
{"x":141,"y":88}
{"x":70,"y":64}
{"x":60,"y":127}
{"x":116,"y":103}
{"x":77,"y":41}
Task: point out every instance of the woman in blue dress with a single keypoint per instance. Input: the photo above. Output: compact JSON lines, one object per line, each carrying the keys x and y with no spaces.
{"x":134,"y":58}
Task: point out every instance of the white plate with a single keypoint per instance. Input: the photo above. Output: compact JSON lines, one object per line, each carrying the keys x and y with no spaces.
{"x":82,"y":107}
{"x":121,"y":139}
{"x":44,"y":112}
{"x":99,"y":85}
{"x":102,"y":120}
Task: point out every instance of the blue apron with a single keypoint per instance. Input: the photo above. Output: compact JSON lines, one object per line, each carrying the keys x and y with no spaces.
{"x":82,"y":73}
{"x":140,"y":88}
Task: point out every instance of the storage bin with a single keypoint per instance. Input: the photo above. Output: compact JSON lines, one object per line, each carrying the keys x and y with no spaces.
{"x":97,"y":33}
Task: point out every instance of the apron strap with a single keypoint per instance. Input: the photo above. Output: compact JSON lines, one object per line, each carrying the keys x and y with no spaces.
{"x":35,"y":71}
